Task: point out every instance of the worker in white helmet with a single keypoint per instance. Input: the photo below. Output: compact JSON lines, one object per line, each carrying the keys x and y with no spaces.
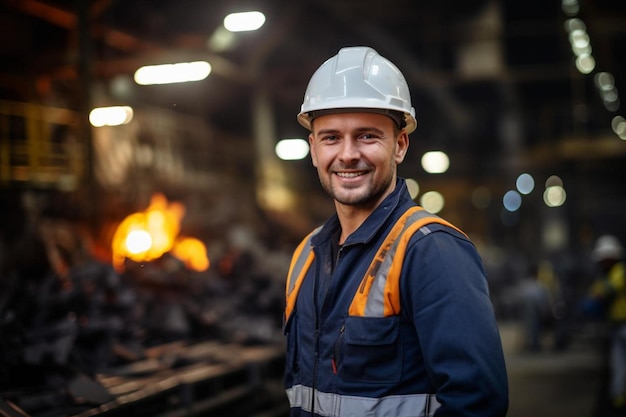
{"x":387,"y":306}
{"x":609,"y":291}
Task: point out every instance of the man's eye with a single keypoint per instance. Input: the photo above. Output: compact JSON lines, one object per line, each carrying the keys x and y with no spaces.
{"x":330,"y":138}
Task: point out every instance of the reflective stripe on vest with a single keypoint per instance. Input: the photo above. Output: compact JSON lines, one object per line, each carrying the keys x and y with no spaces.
{"x":379,"y":292}
{"x":336,"y":405}
{"x":300,"y":263}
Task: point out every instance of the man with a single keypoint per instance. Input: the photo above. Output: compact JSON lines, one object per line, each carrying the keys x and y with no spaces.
{"x":609,"y":292}
{"x":385,"y":315}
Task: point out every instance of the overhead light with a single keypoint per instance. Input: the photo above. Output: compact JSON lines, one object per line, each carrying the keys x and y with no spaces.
{"x":619,"y":126}
{"x":221,"y":40}
{"x":433,"y":201}
{"x":525,"y":183}
{"x":554,"y":196}
{"x":512,"y":200}
{"x":173,"y":73}
{"x":110,"y":116}
{"x":292,"y":149}
{"x":435,"y":162}
{"x":243,"y":22}
{"x":413,"y":187}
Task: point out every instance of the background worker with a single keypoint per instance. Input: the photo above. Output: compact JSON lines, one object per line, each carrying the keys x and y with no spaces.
{"x":608,"y":294}
{"x":384,"y":316}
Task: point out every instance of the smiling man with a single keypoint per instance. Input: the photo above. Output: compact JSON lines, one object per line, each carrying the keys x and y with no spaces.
{"x":387,"y":306}
{"x":356,"y":156}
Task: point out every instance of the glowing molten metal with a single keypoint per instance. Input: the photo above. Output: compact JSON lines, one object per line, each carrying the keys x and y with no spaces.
{"x":147,"y":235}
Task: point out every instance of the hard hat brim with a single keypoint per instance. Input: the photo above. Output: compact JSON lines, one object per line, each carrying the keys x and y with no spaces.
{"x":305,"y":118}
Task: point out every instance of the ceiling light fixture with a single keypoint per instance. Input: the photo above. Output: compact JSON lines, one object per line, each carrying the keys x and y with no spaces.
{"x":173,"y":73}
{"x":244,"y":22}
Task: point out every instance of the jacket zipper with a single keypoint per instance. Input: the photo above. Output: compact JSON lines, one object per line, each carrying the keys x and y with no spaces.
{"x":316,"y":340}
{"x":317,"y":331}
{"x":335,"y":355}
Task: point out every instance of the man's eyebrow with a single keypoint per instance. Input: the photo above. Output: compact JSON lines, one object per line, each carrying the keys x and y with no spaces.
{"x":369,"y":129}
{"x":327,"y":131}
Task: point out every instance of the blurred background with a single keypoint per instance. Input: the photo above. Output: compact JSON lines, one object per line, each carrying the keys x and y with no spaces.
{"x":154,"y":181}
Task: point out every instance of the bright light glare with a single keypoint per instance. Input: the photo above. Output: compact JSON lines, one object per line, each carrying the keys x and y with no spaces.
{"x":604,"y":81}
{"x":413,"y":187}
{"x":221,"y":40}
{"x":435,"y":162}
{"x":138,"y":241}
{"x":585,"y":63}
{"x":173,"y":73}
{"x":243,"y":22}
{"x":554,"y":196}
{"x":579,"y":38}
{"x":110,"y":116}
{"x":570,"y":7}
{"x":574,"y":24}
{"x":512,"y":200}
{"x":581,"y":45}
{"x":432,"y":201}
{"x":525,"y":183}
{"x":618,"y":124}
{"x":292,"y":149}
{"x":554,"y":180}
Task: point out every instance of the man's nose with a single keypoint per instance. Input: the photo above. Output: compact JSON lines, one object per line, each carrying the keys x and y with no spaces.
{"x":350,"y":150}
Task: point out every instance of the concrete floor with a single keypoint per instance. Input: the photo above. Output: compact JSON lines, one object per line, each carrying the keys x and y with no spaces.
{"x":553,"y":384}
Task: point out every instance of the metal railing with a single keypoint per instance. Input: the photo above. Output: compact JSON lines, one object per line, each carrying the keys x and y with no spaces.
{"x":40,"y":145}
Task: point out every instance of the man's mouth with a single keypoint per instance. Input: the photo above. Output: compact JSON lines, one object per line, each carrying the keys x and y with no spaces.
{"x":350,"y":174}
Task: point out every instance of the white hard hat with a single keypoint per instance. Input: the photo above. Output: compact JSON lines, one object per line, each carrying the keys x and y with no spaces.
{"x":358,"y":78}
{"x":607,"y":247}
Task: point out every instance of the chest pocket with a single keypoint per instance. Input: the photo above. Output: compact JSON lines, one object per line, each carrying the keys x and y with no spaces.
{"x":368,"y":350}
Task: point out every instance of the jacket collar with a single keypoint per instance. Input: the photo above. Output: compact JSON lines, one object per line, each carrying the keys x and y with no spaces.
{"x":399,"y":197}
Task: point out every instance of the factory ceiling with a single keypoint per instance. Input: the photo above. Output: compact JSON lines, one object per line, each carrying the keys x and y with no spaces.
{"x":493,"y":81}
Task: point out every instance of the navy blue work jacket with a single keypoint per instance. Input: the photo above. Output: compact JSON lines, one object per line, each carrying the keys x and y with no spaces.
{"x":440,"y":356}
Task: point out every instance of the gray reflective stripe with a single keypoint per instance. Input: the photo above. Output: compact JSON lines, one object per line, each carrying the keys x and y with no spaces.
{"x":302,"y":257}
{"x":375,"y":305}
{"x":335,"y":405}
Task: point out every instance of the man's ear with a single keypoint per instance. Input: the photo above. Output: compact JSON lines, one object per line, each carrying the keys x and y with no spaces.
{"x":312,"y":150}
{"x":402,"y":146}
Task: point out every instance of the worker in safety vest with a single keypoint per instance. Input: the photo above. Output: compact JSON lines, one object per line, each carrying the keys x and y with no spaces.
{"x":387,"y":306}
{"x":609,"y":291}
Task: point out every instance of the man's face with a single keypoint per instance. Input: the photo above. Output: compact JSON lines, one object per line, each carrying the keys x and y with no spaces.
{"x":356,"y":156}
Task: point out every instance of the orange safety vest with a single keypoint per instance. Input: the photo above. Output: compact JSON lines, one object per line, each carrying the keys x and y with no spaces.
{"x":378,"y":294}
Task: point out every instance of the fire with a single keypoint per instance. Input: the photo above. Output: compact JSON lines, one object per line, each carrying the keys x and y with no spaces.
{"x":147,"y":235}
{"x":192,"y":252}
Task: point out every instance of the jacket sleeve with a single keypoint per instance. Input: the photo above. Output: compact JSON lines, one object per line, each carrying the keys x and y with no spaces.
{"x":444,"y":288}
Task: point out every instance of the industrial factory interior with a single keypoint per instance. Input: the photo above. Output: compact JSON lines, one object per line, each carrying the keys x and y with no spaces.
{"x":147,"y":224}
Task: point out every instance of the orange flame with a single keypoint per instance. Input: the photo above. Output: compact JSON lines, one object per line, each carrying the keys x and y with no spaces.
{"x":147,"y":235}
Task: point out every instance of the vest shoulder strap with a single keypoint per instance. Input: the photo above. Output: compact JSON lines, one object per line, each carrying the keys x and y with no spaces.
{"x":300,"y":263}
{"x":378,"y":294}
